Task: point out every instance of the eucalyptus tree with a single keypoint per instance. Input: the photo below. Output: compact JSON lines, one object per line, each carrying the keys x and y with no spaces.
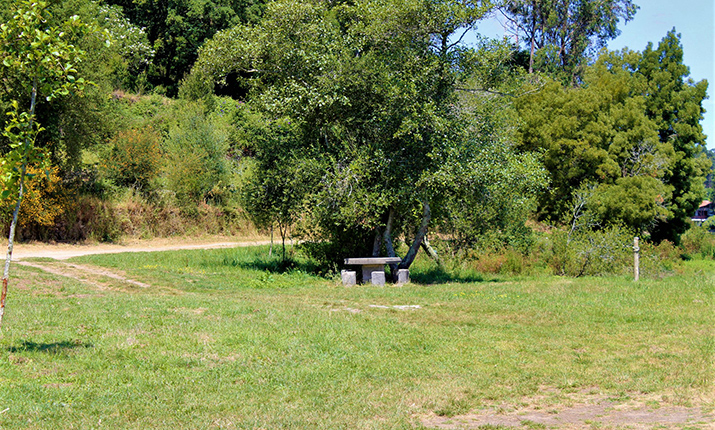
{"x":373,"y":87}
{"x":40,"y":62}
{"x":561,"y":34}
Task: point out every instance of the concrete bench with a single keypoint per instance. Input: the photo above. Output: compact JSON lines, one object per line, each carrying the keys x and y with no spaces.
{"x":373,"y":270}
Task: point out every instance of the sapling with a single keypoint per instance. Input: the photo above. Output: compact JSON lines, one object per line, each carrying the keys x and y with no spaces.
{"x":39,"y":60}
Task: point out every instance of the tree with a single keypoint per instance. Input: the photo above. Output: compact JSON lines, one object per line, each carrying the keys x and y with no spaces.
{"x":273,"y":194}
{"x":631,"y":132}
{"x":40,"y":54}
{"x":177,"y":29}
{"x":374,"y":88}
{"x":675,"y":103}
{"x":76,"y":122}
{"x":561,"y":34}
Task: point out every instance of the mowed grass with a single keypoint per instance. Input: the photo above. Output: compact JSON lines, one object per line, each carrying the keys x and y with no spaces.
{"x":222,"y":339}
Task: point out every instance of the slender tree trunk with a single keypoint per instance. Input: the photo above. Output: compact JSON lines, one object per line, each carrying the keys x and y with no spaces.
{"x":421,"y":232}
{"x":270,"y":250}
{"x":532,"y":39}
{"x":283,"y":231}
{"x":13,"y":224}
{"x":430,"y":251}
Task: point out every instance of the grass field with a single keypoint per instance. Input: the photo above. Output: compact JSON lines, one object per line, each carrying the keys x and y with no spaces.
{"x":219,"y":339}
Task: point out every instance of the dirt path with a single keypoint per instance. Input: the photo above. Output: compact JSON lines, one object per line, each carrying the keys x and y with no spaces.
{"x":103,"y":278}
{"x":65,"y":251}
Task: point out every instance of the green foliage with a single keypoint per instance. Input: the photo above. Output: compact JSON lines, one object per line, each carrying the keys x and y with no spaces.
{"x":674,"y":103}
{"x":383,"y":133}
{"x":82,"y":117}
{"x":37,"y":60}
{"x":134,"y":159}
{"x":560,"y":35}
{"x":699,"y":240}
{"x":607,"y":135}
{"x":197,"y":169}
{"x":275,"y":188}
{"x":592,"y":252}
{"x":177,"y":29}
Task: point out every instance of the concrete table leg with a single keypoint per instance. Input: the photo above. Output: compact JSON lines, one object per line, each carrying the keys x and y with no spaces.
{"x":368,"y":269}
{"x":349,"y":277}
{"x":378,"y":278}
{"x":403,"y":276}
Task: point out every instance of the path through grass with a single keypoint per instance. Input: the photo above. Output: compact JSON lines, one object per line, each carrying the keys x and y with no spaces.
{"x":221,"y":339}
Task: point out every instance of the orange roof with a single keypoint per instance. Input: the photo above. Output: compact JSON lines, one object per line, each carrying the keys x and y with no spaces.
{"x":704,"y":203}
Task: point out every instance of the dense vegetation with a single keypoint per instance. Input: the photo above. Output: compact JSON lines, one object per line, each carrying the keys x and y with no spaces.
{"x":358,"y":126}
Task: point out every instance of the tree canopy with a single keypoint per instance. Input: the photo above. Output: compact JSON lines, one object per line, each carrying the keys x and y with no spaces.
{"x":177,"y":29}
{"x":618,"y":135}
{"x":560,"y":35}
{"x":381,"y":135}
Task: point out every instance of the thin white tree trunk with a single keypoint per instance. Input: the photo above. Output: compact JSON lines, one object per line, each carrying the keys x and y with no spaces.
{"x":13,"y":224}
{"x":270,"y":250}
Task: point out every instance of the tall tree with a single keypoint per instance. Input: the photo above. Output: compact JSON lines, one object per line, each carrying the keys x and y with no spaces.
{"x":40,"y":54}
{"x":561,"y":34}
{"x":374,"y":88}
{"x":675,"y":103}
{"x":631,"y":134}
{"x":177,"y":29}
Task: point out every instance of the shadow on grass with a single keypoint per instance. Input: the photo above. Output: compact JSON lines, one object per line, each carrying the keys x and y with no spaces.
{"x":276,"y":265}
{"x":48,"y":348}
{"x":437,"y":275}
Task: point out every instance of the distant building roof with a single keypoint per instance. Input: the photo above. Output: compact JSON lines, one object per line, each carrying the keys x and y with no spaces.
{"x":705,"y":203}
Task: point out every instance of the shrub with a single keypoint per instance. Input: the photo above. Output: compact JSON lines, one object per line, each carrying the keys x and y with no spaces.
{"x":43,"y":201}
{"x":658,"y":260}
{"x":198,"y":169}
{"x":699,"y":240}
{"x":134,"y":159}
{"x":591,"y":252}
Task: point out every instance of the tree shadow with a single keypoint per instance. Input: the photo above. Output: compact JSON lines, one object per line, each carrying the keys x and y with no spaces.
{"x":437,"y":275}
{"x":276,"y":265}
{"x":48,"y":348}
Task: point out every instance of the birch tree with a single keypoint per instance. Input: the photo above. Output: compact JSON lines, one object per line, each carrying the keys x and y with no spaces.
{"x":41,"y":60}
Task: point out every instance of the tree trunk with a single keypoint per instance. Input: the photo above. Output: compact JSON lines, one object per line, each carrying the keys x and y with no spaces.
{"x":532,"y":39}
{"x":421,"y":232}
{"x":283,"y":230}
{"x":387,"y":238}
{"x":430,"y":251}
{"x":13,"y":224}
{"x":10,"y":242}
{"x":377,"y":243}
{"x":270,"y":250}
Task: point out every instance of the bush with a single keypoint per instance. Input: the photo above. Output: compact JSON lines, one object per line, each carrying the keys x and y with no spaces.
{"x":134,"y":159}
{"x":43,"y":201}
{"x":699,"y":240}
{"x":658,"y":260}
{"x":592,"y":252}
{"x":198,"y":169}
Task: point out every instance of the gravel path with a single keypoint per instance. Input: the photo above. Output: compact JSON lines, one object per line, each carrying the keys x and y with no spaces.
{"x":65,"y":251}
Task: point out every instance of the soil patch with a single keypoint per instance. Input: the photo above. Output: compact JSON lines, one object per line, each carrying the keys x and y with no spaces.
{"x":582,"y":412}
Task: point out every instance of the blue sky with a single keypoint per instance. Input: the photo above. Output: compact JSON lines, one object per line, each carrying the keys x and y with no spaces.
{"x":693,"y":19}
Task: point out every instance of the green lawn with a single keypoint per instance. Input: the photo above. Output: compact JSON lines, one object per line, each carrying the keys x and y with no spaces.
{"x":220,"y":341}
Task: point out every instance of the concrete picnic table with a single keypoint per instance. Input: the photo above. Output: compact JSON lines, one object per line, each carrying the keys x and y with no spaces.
{"x":373,"y":270}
